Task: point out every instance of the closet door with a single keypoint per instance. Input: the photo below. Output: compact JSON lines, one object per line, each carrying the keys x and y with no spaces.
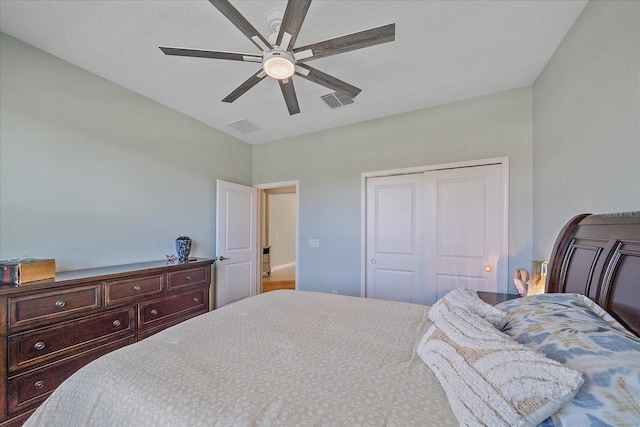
{"x":394,"y":238}
{"x":431,"y":232}
{"x":464,"y":231}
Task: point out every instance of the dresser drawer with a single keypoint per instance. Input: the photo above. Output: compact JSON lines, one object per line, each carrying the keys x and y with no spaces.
{"x":193,"y":276}
{"x":50,"y":306}
{"x":129,"y":289}
{"x":47,"y":344}
{"x":154,"y":312}
{"x":33,"y":387}
{"x":162,"y":326}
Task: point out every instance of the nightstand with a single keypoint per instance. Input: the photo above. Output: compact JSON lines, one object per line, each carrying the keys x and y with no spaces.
{"x":494,"y":298}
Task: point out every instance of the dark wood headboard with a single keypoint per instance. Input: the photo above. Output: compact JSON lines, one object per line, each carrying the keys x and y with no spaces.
{"x":599,"y":256}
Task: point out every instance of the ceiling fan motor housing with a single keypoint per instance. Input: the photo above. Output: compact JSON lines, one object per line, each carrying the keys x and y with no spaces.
{"x":278,"y":63}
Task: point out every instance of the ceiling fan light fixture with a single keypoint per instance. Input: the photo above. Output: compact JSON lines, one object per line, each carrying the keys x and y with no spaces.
{"x":279,"y":64}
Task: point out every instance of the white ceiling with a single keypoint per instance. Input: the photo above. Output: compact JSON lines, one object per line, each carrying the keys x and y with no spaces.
{"x":444,"y":51}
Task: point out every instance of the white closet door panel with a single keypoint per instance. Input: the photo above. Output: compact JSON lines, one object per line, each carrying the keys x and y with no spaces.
{"x":461,"y":228}
{"x":464,"y":230}
{"x":395,"y":220}
{"x":446,"y":283}
{"x":393,"y":285}
{"x":394,"y":237}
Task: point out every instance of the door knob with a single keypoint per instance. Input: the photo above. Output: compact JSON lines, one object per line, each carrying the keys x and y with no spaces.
{"x":487,"y":268}
{"x":222,"y":258}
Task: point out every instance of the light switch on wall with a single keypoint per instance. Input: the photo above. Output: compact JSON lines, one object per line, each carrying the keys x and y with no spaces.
{"x":314,"y":243}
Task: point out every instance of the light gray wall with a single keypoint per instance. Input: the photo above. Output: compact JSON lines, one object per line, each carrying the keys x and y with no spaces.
{"x":329,"y":165}
{"x":282,"y":228}
{"x":586,"y":122}
{"x":92,"y":174}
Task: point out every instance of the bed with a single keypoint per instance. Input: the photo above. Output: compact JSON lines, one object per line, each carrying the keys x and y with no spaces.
{"x":297,"y":358}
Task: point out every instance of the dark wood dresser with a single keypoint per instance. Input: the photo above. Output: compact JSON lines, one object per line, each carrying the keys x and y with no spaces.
{"x":50,"y":329}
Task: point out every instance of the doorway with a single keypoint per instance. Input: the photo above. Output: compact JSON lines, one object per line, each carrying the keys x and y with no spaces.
{"x":430,"y":230}
{"x":278,"y":235}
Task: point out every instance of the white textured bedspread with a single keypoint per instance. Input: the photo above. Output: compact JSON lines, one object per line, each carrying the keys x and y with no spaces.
{"x":283,"y":358}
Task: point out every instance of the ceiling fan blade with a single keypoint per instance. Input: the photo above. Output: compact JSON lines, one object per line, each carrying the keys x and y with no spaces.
{"x":289,"y":93}
{"x":235,"y":56}
{"x":245,"y":86}
{"x":324,"y":79}
{"x":241,"y":23}
{"x":359,"y":40}
{"x":292,"y":20}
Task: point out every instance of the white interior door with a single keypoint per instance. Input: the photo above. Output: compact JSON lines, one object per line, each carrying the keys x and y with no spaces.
{"x":394,"y":238}
{"x":464,"y":231}
{"x":236,"y":240}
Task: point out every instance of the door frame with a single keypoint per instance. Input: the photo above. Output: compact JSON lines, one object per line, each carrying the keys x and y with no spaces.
{"x":268,"y":186}
{"x":503,"y":161}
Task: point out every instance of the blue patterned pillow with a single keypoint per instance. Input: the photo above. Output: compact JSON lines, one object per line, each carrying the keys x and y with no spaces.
{"x":575,"y":331}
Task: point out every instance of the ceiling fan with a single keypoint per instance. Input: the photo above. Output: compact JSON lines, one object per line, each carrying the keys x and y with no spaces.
{"x":281,"y":60}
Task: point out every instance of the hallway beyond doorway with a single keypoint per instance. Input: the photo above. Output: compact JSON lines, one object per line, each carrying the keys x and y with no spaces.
{"x":284,"y":278}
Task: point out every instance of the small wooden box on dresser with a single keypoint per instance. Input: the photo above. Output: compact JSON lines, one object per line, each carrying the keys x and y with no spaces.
{"x":50,"y":329}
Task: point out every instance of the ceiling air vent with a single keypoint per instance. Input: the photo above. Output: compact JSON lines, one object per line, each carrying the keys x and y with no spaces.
{"x":244,"y":126}
{"x":337,"y":99}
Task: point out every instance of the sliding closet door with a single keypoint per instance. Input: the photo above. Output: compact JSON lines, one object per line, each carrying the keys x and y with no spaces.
{"x":464,"y":230}
{"x":394,"y":238}
{"x":431,"y":232}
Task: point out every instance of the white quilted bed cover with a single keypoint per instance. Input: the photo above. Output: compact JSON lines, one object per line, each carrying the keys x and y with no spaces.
{"x":286,"y":358}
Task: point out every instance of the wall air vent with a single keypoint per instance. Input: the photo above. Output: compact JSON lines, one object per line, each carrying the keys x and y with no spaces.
{"x":337,"y":99}
{"x":244,"y":126}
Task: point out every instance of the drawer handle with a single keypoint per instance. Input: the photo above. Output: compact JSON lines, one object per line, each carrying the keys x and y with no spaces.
{"x":39,"y":345}
{"x":195,"y":299}
{"x":137,"y":288}
{"x":117,"y":322}
{"x":60,"y":303}
{"x":187,"y":277}
{"x":154,"y":311}
{"x":39,"y":385}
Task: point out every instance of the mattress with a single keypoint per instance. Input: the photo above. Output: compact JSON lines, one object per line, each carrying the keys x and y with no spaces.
{"x":289,"y":358}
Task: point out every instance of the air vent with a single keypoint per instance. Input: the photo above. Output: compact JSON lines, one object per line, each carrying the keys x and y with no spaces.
{"x":244,"y":126}
{"x":337,"y":99}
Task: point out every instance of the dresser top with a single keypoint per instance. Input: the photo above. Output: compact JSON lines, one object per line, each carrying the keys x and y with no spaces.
{"x":97,"y":274}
